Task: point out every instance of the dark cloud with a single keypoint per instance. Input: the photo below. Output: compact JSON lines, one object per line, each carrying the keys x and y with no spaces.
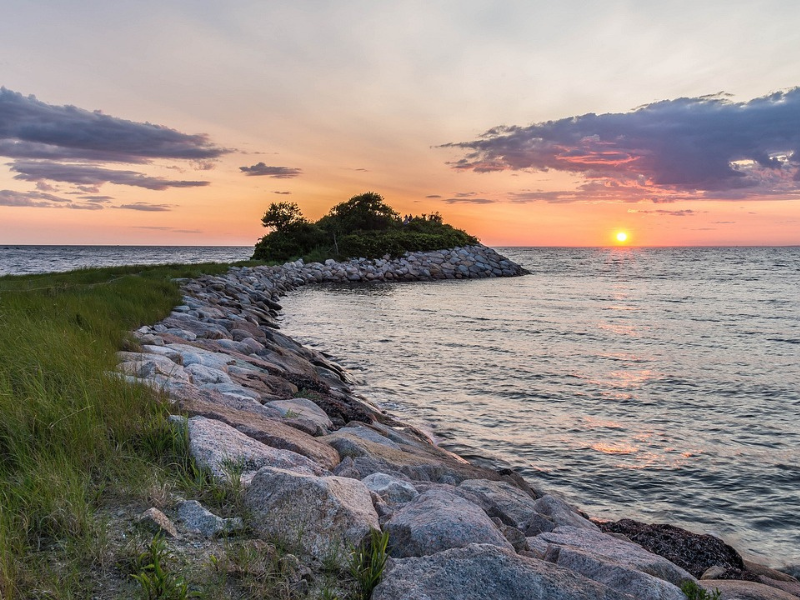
{"x":97,"y":198}
{"x":31,"y":129}
{"x":41,"y":200}
{"x":469,"y":200}
{"x":706,"y":147}
{"x":262,"y":170}
{"x":143,"y":206}
{"x":283,"y":193}
{"x":433,"y":196}
{"x":90,"y":177}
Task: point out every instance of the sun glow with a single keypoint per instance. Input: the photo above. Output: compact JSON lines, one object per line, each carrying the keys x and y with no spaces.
{"x":621,"y":237}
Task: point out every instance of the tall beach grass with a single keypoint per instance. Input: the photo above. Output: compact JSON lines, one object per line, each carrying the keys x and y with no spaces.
{"x":71,"y":433}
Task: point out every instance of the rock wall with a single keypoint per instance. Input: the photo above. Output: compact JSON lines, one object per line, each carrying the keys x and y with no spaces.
{"x":469,"y":262}
{"x":321,"y":466}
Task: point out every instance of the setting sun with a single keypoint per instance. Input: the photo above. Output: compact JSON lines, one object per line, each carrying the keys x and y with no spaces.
{"x":621,"y":236}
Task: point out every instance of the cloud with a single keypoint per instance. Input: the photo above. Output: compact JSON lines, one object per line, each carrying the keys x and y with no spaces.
{"x":90,"y":177}
{"x":143,"y":206}
{"x":97,"y":198}
{"x":469,"y":200}
{"x":433,"y":196}
{"x":283,"y":193}
{"x":41,"y":200}
{"x":669,"y":213}
{"x":31,"y":129}
{"x":262,"y":170}
{"x":699,"y":148}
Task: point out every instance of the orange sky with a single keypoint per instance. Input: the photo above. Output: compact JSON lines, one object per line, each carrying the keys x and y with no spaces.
{"x":351,"y":97}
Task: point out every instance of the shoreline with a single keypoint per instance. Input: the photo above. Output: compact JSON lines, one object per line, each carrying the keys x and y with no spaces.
{"x":381,"y":446}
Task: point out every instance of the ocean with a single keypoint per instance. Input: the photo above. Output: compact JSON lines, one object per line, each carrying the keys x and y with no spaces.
{"x":656,"y":384}
{"x":24,"y":260}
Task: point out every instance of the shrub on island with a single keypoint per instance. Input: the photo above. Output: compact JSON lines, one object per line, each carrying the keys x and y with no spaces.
{"x":362,"y":227}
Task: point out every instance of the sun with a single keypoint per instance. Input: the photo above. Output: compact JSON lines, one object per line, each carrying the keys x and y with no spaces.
{"x":621,"y":237}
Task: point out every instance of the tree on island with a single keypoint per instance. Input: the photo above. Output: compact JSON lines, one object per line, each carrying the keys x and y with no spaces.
{"x":363,"y":226}
{"x":282,"y":216}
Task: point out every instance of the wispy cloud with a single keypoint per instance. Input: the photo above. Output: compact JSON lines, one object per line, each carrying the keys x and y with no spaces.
{"x":91,"y":177}
{"x":283,"y":193}
{"x":700,"y":148}
{"x":263,"y":170}
{"x":668,"y":213}
{"x":144,"y":206}
{"x":35,"y":199}
{"x":469,"y":200}
{"x":433,"y":196}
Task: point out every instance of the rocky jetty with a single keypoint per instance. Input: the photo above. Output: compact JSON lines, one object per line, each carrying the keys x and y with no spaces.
{"x":320,"y":467}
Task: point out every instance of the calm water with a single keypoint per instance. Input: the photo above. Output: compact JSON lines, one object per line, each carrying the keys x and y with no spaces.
{"x":657,"y":384}
{"x":21,"y":260}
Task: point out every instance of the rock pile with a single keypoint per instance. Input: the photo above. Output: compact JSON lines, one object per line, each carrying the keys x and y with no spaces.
{"x":321,"y":467}
{"x":469,"y":262}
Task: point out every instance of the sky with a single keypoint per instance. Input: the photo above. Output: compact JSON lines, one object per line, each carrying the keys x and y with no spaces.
{"x":527,"y":123}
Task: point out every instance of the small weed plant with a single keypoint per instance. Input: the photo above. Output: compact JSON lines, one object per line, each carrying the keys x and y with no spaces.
{"x":156,"y":582}
{"x":695,"y":592}
{"x":367,"y":563}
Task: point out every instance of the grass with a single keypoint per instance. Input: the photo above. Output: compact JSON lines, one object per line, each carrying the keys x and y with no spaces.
{"x":694,"y":592}
{"x":72,"y":437}
{"x":367,"y":563}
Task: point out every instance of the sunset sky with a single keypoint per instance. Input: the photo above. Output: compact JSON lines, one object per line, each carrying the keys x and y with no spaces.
{"x":527,"y":123}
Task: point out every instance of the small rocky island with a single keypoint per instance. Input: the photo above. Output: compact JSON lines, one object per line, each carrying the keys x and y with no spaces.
{"x":321,"y":469}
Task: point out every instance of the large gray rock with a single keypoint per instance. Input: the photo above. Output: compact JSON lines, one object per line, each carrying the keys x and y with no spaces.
{"x":202,"y":374}
{"x":613,"y":574}
{"x":320,"y":516}
{"x":302,"y":408}
{"x":222,"y":449}
{"x":260,"y":424}
{"x":198,"y":519}
{"x":391,"y":489}
{"x":561,"y":513}
{"x":744,"y":590}
{"x":418,"y":462}
{"x":614,"y":549}
{"x":148,"y":365}
{"x":437,"y":520}
{"x":485,"y":572}
{"x":194,"y":355}
{"x":502,"y":500}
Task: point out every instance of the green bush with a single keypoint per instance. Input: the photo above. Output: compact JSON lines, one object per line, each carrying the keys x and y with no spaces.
{"x":292,"y":242}
{"x":364,"y":226}
{"x":373,"y":244}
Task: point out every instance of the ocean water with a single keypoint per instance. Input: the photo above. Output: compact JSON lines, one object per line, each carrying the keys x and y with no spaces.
{"x":22,"y":260}
{"x":656,"y":384}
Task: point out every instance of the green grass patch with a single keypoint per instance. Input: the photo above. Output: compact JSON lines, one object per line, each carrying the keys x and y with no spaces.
{"x":73,"y":436}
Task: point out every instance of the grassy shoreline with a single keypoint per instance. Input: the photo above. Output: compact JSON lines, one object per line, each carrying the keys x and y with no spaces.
{"x":72,"y":436}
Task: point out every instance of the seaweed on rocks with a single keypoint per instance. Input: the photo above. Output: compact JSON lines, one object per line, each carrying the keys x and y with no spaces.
{"x":691,"y":551}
